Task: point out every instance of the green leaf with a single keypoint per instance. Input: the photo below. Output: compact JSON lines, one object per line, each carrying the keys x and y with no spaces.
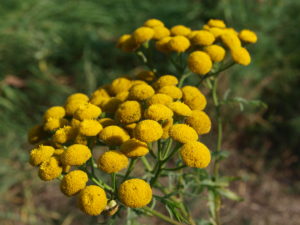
{"x":229,"y":194}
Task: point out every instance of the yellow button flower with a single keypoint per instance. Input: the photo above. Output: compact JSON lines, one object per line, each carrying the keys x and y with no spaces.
{"x":92,"y":200}
{"x":158,"y":112}
{"x":216,"y":52}
{"x":98,"y":100}
{"x":56,"y":112}
{"x":143,"y":34}
{"x":199,"y":62}
{"x":63,"y":135}
{"x":180,"y":30}
{"x":113,"y":135}
{"x":120,"y":84}
{"x":128,"y":44}
{"x":135,"y":193}
{"x":40,"y":154}
{"x":134,"y":148}
{"x":172,"y":91}
{"x":122,"y":40}
{"x":193,"y":97}
{"x":153,"y":23}
{"x":195,"y":154}
{"x":217,"y":32}
{"x":105,"y":122}
{"x":76,"y":155}
{"x":160,"y":32}
{"x":216,"y":23}
{"x":72,"y":106}
{"x":180,"y":108}
{"x":148,"y":131}
{"x":248,"y":36}
{"x":178,"y":44}
{"x":166,"y":126}
{"x":73,"y":182}
{"x":231,"y":40}
{"x":52,"y":124}
{"x":166,"y":80}
{"x":200,"y":121}
{"x":78,"y":97}
{"x":183,"y":133}
{"x":203,"y":37}
{"x":111,"y":105}
{"x":141,"y":92}
{"x":50,"y":169}
{"x":90,"y":128}
{"x":162,"y":45}
{"x":241,"y":56}
{"x":123,"y":96}
{"x":129,"y":112}
{"x":101,"y":92}
{"x":80,"y":139}
{"x":159,"y":99}
{"x":87,"y":111}
{"x":146,"y":75}
{"x":112,"y":161}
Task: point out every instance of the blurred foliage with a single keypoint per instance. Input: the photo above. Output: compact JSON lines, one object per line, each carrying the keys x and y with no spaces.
{"x":50,"y":48}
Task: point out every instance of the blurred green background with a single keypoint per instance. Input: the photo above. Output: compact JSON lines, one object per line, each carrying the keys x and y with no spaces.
{"x":51,"y":48}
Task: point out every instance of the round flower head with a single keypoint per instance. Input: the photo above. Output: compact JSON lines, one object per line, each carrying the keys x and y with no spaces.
{"x":216,"y":23}
{"x":166,"y":126}
{"x":73,"y":182}
{"x":75,"y":123}
{"x":129,"y":44}
{"x":36,"y":134}
{"x":216,"y":52}
{"x":193,"y":97}
{"x":180,"y":30}
{"x":178,"y":44}
{"x":130,"y":128}
{"x":87,"y":111}
{"x":203,"y":37}
{"x":217,"y":32}
{"x":52,"y":124}
{"x":123,"y":96}
{"x":92,"y":200}
{"x":90,"y":127}
{"x":195,"y":154}
{"x":180,"y":108}
{"x":111,"y":105}
{"x":50,"y":169}
{"x":98,"y":100}
{"x":231,"y":40}
{"x":112,"y":161}
{"x":162,"y":45}
{"x":148,"y":131}
{"x":141,"y":92}
{"x":159,"y":99}
{"x":143,"y":34}
{"x":120,"y":84}
{"x":63,"y":135}
{"x":72,"y":106}
{"x":241,"y":56}
{"x":122,"y":40}
{"x":76,"y":155}
{"x":113,"y":135}
{"x":40,"y":154}
{"x":78,"y":97}
{"x":200,"y":121}
{"x":135,"y":193}
{"x":56,"y":112}
{"x":134,"y":148}
{"x":166,"y":80}
{"x":100,"y":92}
{"x":105,"y":122}
{"x":183,"y":133}
{"x":248,"y":36}
{"x":129,"y":112}
{"x":146,"y":76}
{"x":199,"y":62}
{"x":158,"y":112}
{"x":160,"y":32}
{"x":172,"y":91}
{"x":153,"y":23}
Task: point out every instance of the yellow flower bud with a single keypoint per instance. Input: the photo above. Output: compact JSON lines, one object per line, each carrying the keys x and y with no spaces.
{"x":120,"y":84}
{"x":129,"y":112}
{"x":134,"y":148}
{"x":112,"y":161}
{"x":162,"y":45}
{"x":122,"y":40}
{"x":72,"y":106}
{"x":241,"y":56}
{"x":216,"y":52}
{"x":141,"y":92}
{"x":216,"y":23}
{"x":123,"y":96}
{"x":56,"y":112}
{"x":153,"y":23}
{"x":178,"y":44}
{"x":166,"y":126}
{"x":248,"y":36}
{"x":143,"y":34}
{"x":172,"y":91}
{"x":199,"y":62}
{"x":166,"y":80}
{"x":63,"y":135}
{"x":90,"y":127}
{"x":160,"y":32}
{"x":76,"y":155}
{"x":148,"y":131}
{"x":40,"y":154}
{"x":180,"y":108}
{"x":193,"y":97}
{"x":158,"y":112}
{"x":200,"y":121}
{"x":231,"y":40}
{"x":111,"y":105}
{"x":50,"y":169}
{"x":159,"y":99}
{"x":73,"y":182}
{"x":203,"y":37}
{"x":113,"y":135}
{"x":146,"y":76}
{"x":180,"y":30}
{"x":87,"y":111}
{"x":183,"y":133}
{"x":78,"y":97}
{"x":52,"y":124}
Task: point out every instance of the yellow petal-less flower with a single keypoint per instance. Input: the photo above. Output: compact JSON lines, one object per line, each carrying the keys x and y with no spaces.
{"x":180,"y":108}
{"x":183,"y":133}
{"x":172,"y":91}
{"x":203,"y":37}
{"x":120,"y":84}
{"x":76,"y":155}
{"x":72,"y":106}
{"x":111,"y":105}
{"x":195,"y":154}
{"x":122,"y":40}
{"x":112,"y":161}
{"x":135,"y":193}
{"x":141,"y":92}
{"x":160,"y":32}
{"x":129,"y":112}
{"x":166,"y":80}
{"x":216,"y":23}
{"x":148,"y":131}
{"x":162,"y":45}
{"x":178,"y":44}
{"x":134,"y":148}
{"x":123,"y":96}
{"x":166,"y":126}
{"x":92,"y":200}
{"x":90,"y":128}
{"x":52,"y":124}
{"x":158,"y":112}
{"x":248,"y":36}
{"x":160,"y":99}
{"x":87,"y":111}
{"x":63,"y":135}
{"x":146,"y":75}
{"x":40,"y":154}
{"x":73,"y":182}
{"x":200,"y":121}
{"x":143,"y":34}
{"x":78,"y":97}
{"x":193,"y":97}
{"x":199,"y":62}
{"x":231,"y":40}
{"x":241,"y":56}
{"x":180,"y":30}
{"x":50,"y":169}
{"x":129,"y":44}
{"x":216,"y":52}
{"x":114,"y":135}
{"x":153,"y":23}
{"x":56,"y":112}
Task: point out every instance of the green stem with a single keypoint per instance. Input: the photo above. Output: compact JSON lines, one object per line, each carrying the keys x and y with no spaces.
{"x":168,"y":147}
{"x":114,"y":182}
{"x":146,"y":163}
{"x":176,"y":168}
{"x":161,"y":216}
{"x":130,"y":168}
{"x":182,"y":79}
{"x":217,"y":72}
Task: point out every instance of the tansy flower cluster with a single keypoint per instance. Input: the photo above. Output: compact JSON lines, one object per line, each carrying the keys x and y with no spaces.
{"x":127,"y":116}
{"x":205,"y":47}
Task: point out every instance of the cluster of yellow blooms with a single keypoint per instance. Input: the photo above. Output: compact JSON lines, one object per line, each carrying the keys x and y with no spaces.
{"x":126,"y":116}
{"x":204,"y":46}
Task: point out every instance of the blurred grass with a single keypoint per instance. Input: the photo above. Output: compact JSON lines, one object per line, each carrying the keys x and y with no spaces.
{"x":51,"y":48}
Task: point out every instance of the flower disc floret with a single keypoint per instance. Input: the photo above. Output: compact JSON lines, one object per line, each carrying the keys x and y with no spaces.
{"x":248,"y":36}
{"x":76,"y":155}
{"x":64,"y":134}
{"x":172,"y":91}
{"x":241,"y":56}
{"x":134,"y":148}
{"x":135,"y":193}
{"x":200,"y":121}
{"x":73,"y":182}
{"x":78,"y":97}
{"x":193,"y":97}
{"x":183,"y":133}
{"x":143,"y":34}
{"x":141,"y":92}
{"x":148,"y":131}
{"x":178,"y":44}
{"x":40,"y":154}
{"x":160,"y":32}
{"x":52,"y":124}
{"x":216,"y":52}
{"x":199,"y":62}
{"x":120,"y":84}
{"x":56,"y":112}
{"x":203,"y":37}
{"x":50,"y":169}
{"x":112,"y":161}
{"x":92,"y":200}
{"x":72,"y":106}
{"x":129,"y":112}
{"x":158,"y":112}
{"x":231,"y":40}
{"x":180,"y":30}
{"x":195,"y":154}
{"x":159,"y":99}
{"x":90,"y":127}
{"x":216,"y":23}
{"x":180,"y":108}
{"x":153,"y":23}
{"x":114,"y":135}
{"x":166,"y":80}
{"x":87,"y":111}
